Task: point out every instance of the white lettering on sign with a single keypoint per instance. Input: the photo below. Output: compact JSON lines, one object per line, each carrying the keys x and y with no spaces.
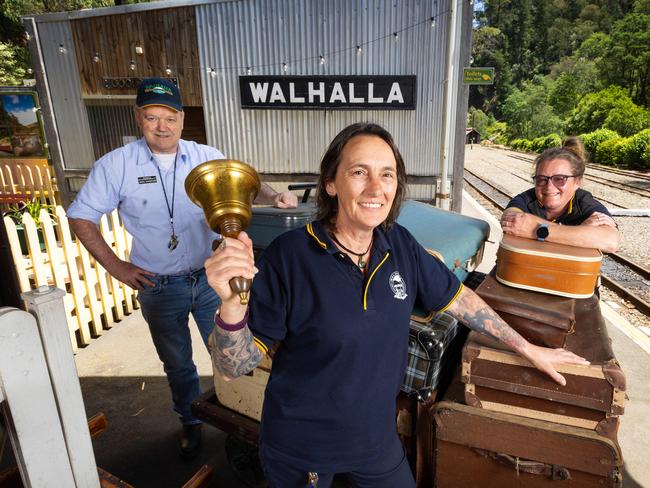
{"x":351,"y":97}
{"x":292,"y":95}
{"x":337,"y":93}
{"x":395,"y":94}
{"x":276,"y":94}
{"x":372,"y":92}
{"x":312,"y":93}
{"x":258,"y":90}
{"x":371,"y":96}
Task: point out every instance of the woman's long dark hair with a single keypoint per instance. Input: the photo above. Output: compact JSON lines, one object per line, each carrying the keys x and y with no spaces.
{"x":328,"y":205}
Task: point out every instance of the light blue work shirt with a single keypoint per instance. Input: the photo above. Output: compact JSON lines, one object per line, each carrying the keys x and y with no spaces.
{"x":128,"y":179}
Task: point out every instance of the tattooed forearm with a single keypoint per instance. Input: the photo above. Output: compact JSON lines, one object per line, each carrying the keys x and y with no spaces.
{"x":234,"y":353}
{"x":470,"y":309}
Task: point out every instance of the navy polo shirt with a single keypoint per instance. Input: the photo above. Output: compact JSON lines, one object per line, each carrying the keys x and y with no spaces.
{"x":581,"y":206}
{"x":330,"y":402}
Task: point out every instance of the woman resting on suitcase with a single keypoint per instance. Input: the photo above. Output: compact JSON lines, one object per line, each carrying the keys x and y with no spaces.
{"x":337,"y":296}
{"x":557,"y":209}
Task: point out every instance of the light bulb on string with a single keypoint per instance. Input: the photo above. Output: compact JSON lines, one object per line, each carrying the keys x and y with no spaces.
{"x":359,"y":49}
{"x":248,"y":71}
{"x":322,"y":59}
{"x":433,"y":21}
{"x":213,"y":73}
{"x":132,"y":65}
{"x":168,"y":71}
{"x":61,"y":48}
{"x":284,"y":67}
{"x":96,"y":58}
{"x":395,"y":36}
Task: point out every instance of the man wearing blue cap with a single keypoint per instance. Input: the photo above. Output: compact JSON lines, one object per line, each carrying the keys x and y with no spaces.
{"x":171,"y":239}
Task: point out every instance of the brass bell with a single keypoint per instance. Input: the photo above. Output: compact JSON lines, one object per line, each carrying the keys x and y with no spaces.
{"x":225,"y":190}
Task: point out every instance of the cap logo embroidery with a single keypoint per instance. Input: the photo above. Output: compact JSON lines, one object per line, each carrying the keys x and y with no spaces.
{"x":397,"y":285}
{"x":159,"y":89}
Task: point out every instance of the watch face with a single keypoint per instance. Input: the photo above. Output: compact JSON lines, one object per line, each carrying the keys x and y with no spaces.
{"x":542,"y":232}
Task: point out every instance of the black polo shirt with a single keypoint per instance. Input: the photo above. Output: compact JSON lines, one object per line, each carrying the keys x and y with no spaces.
{"x":581,"y":206}
{"x":330,"y":402}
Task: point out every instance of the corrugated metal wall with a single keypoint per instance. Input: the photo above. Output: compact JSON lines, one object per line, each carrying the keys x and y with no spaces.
{"x":65,"y":91}
{"x":265,"y":34}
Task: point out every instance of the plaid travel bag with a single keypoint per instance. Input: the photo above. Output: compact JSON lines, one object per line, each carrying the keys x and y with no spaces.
{"x":429,"y":339}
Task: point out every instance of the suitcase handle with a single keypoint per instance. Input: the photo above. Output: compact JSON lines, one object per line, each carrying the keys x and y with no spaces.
{"x":552,"y":471}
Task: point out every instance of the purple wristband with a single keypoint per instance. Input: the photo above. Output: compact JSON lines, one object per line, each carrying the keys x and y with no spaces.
{"x":231,"y":327}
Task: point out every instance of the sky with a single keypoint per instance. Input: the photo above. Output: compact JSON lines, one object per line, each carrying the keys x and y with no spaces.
{"x":22,"y":106}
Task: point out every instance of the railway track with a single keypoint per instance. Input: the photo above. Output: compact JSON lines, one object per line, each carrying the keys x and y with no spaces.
{"x":624,"y":277}
{"x":628,"y":187}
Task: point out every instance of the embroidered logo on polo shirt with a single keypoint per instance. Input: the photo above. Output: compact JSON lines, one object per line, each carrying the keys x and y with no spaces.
{"x":397,"y":285}
{"x":143,"y":180}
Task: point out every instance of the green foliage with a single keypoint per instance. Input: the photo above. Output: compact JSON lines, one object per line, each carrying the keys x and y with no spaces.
{"x":594,"y":109}
{"x":11,"y":72}
{"x":593,"y":139}
{"x":497,"y":132}
{"x":578,"y":77}
{"x":610,"y":152}
{"x":552,"y":140}
{"x":626,"y":59}
{"x":32,"y":207}
{"x":635,"y":148}
{"x":528,"y":113}
{"x":14,"y":56}
{"x":478,"y":120}
{"x":488,"y":49}
{"x":627,"y":119}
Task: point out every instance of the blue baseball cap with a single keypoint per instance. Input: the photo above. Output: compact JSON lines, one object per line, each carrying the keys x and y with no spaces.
{"x":158,"y":91}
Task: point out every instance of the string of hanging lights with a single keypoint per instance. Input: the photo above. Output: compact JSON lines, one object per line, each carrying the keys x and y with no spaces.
{"x":321,"y":58}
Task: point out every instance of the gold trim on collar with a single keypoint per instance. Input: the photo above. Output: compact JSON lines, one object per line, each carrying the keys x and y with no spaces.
{"x":310,"y":231}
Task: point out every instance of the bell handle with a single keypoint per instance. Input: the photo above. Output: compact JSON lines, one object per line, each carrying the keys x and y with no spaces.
{"x":231,"y":227}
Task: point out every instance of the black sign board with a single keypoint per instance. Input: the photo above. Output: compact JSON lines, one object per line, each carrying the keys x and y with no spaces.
{"x":328,"y":92}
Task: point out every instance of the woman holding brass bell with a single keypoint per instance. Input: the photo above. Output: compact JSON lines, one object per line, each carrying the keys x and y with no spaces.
{"x":557,"y":209}
{"x":336,"y":297}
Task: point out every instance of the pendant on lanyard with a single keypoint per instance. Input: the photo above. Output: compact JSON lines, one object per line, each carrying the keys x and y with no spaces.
{"x":312,"y":480}
{"x":173,"y":240}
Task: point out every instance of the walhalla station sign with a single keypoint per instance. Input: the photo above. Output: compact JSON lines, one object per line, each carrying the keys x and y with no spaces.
{"x":328,"y":92}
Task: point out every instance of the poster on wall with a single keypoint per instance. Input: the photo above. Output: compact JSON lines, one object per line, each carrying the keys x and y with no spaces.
{"x":21,"y":132}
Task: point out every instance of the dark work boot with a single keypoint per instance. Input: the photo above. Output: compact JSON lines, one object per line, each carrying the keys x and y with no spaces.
{"x":190,"y":440}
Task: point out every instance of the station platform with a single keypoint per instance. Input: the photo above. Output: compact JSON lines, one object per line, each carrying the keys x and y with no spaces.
{"x":121,"y":376}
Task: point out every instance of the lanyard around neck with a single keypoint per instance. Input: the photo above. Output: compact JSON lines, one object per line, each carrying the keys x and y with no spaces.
{"x":173,"y":241}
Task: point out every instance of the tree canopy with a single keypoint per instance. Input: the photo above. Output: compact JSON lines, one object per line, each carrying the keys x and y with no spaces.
{"x":565,"y":66}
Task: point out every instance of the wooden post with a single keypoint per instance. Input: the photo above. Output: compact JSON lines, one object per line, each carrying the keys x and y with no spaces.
{"x":32,"y":419}
{"x":46,"y":304}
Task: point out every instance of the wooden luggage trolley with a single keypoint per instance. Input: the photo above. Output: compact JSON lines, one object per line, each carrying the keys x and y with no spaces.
{"x":235,"y":407}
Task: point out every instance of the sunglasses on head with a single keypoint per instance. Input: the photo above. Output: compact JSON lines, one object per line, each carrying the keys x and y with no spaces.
{"x":558,"y":180}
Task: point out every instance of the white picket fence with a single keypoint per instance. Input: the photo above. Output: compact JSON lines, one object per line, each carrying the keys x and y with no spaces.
{"x":94,"y":300}
{"x":31,"y":180}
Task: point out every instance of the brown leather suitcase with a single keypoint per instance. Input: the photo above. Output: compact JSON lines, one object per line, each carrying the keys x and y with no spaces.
{"x":593,"y":398}
{"x":476,"y":448}
{"x":548,"y":267}
{"x":542,"y":319}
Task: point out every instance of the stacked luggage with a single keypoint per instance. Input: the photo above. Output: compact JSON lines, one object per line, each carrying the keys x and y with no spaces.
{"x":508,"y":424}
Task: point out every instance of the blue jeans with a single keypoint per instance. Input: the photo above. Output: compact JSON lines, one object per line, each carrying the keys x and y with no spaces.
{"x":166,"y":308}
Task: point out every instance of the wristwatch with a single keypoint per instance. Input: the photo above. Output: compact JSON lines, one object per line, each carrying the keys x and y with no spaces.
{"x":541,"y":232}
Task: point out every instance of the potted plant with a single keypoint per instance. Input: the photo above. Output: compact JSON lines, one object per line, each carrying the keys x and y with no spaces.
{"x":33,"y":207}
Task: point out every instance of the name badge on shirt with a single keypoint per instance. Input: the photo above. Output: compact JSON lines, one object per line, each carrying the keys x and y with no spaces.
{"x":143,"y":180}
